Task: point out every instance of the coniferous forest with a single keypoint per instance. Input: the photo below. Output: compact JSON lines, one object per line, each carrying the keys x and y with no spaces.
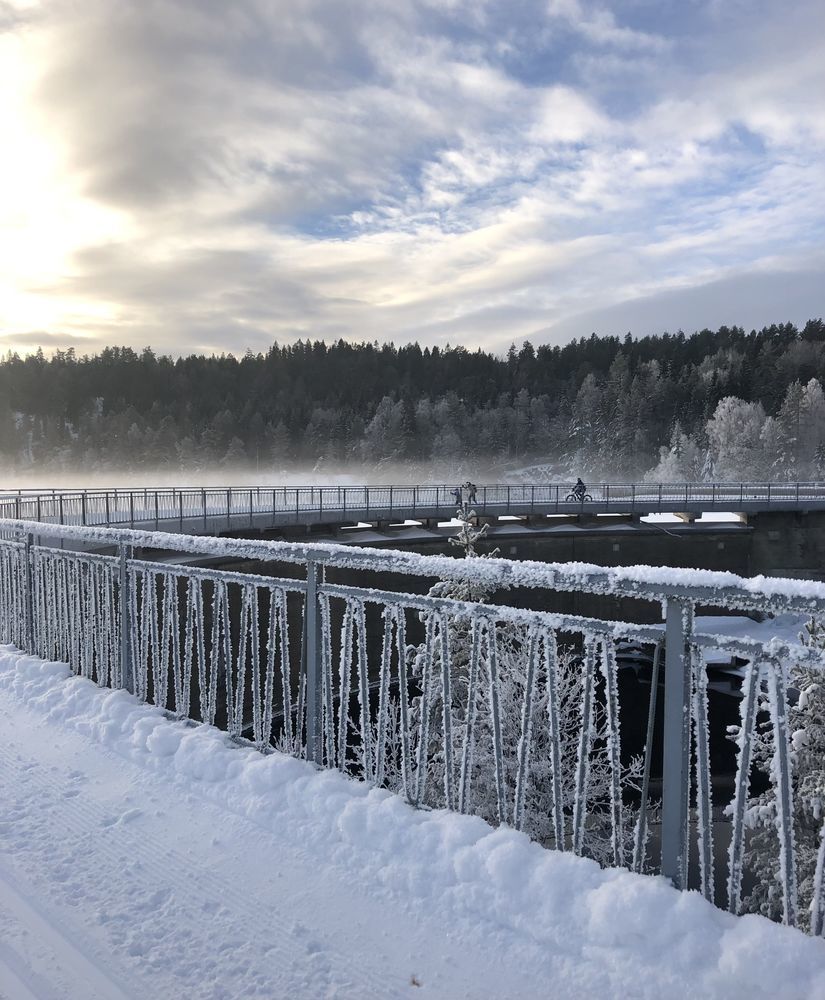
{"x":724,"y":404}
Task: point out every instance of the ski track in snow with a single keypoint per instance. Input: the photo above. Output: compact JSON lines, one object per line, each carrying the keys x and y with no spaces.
{"x":142,"y":858}
{"x":201,"y":920}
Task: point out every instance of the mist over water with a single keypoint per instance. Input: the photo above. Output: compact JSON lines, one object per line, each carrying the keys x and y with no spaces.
{"x":343,"y":474}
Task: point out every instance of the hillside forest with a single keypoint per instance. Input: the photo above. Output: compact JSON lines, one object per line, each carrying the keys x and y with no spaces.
{"x":721,"y":404}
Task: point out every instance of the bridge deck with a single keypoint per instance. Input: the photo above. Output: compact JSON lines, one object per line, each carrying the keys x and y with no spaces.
{"x":216,"y":511}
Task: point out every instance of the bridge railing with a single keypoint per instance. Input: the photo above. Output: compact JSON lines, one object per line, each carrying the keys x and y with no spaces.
{"x":207,"y":508}
{"x":519,"y":715}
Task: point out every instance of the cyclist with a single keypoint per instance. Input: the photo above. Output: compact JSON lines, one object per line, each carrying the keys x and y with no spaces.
{"x":579,"y":489}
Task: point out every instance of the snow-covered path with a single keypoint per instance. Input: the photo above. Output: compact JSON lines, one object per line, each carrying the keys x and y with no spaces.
{"x":143,"y":858}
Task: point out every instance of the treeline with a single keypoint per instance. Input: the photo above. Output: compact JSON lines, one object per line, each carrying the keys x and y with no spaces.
{"x":599,"y":405}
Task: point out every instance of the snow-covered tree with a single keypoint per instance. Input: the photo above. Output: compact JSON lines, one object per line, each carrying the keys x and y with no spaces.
{"x":512,"y":645}
{"x":734,"y":434}
{"x":681,"y":462}
{"x":806,"y":721}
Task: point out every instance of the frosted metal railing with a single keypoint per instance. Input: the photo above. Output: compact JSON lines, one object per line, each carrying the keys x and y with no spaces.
{"x":213,"y":509}
{"x":510,"y":713}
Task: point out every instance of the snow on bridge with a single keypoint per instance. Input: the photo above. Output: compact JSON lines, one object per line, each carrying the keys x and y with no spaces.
{"x":143,"y":857}
{"x":215,"y":510}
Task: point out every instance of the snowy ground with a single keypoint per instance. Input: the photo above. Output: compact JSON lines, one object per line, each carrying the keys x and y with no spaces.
{"x":142,"y":858}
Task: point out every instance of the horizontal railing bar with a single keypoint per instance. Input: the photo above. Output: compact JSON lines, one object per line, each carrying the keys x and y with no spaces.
{"x":226,"y":576}
{"x":651,"y":583}
{"x":498,"y":612}
{"x":88,"y":557}
{"x":772,"y":649}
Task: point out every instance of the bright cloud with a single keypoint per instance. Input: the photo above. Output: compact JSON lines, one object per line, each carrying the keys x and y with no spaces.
{"x":208,"y":176}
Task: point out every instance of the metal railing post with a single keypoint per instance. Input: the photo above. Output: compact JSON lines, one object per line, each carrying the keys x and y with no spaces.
{"x":126,"y":673}
{"x":676,"y":771}
{"x":28,"y":597}
{"x":203,"y":504}
{"x":312,"y":668}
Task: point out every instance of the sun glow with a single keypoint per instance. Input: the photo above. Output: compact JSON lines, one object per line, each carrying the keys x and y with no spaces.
{"x":44,"y":219}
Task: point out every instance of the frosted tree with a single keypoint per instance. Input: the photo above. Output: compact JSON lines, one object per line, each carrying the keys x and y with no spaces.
{"x":812,"y":426}
{"x":384,"y":437}
{"x":734,"y":435}
{"x":512,"y":663}
{"x":807,"y":725}
{"x":681,"y":462}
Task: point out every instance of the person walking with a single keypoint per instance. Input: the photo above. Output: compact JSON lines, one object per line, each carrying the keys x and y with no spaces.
{"x":459,"y":498}
{"x":471,"y":492}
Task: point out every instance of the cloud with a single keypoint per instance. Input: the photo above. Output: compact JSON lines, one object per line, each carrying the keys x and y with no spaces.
{"x":202,"y":175}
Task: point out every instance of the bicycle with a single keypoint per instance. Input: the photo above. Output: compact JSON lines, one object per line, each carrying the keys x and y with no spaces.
{"x":578,"y":498}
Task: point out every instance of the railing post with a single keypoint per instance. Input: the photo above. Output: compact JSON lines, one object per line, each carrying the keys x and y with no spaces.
{"x":108,"y":515}
{"x":60,"y":503}
{"x":229,"y":508}
{"x":28,"y":583}
{"x":156,"y":510}
{"x":676,"y":772}
{"x":203,"y":504}
{"x":131,"y":509}
{"x":312,"y":668}
{"x":180,"y":508}
{"x":126,"y":674}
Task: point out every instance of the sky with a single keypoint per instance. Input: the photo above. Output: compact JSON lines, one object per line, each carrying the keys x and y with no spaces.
{"x":208,"y":176}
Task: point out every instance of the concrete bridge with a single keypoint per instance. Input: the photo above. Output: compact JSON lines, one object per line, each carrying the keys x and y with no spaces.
{"x":228,"y":510}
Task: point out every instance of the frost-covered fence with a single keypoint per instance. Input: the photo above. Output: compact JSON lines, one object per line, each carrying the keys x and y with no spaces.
{"x":442,"y":695}
{"x":210,"y":510}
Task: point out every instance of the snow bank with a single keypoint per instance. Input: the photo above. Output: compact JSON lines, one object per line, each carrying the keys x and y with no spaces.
{"x":631,"y":935}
